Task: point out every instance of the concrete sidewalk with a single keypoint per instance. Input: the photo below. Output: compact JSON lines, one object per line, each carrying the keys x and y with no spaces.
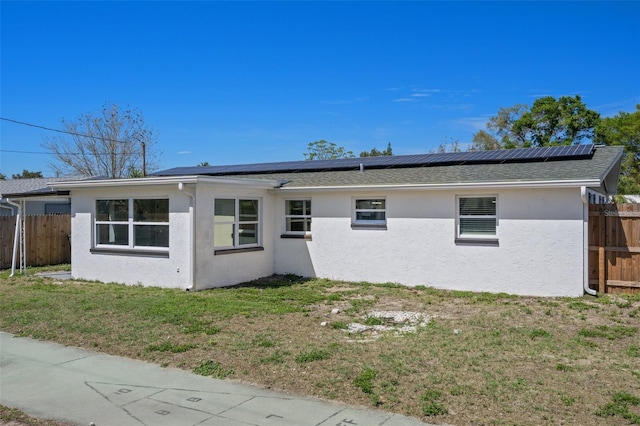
{"x":81,"y":387}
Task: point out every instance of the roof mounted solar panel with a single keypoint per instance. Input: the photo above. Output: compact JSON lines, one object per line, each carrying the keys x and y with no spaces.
{"x":569,"y":152}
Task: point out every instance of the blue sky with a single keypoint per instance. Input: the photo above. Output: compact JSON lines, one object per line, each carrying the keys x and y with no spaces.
{"x":243,"y":82}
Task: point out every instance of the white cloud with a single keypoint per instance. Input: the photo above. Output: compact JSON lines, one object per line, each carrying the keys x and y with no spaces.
{"x":475,"y":123}
{"x":404,"y":100}
{"x":184,"y":152}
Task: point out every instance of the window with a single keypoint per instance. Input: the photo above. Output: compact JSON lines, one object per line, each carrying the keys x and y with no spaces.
{"x":236,"y":223}
{"x":298,"y":216}
{"x":477,"y":217}
{"x":132,"y":223}
{"x":370,"y":212}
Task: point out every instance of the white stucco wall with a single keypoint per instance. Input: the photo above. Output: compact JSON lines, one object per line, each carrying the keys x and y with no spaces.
{"x":211,"y":269}
{"x":540,"y":237}
{"x":540,"y":234}
{"x":218,"y":270}
{"x":129,"y":268}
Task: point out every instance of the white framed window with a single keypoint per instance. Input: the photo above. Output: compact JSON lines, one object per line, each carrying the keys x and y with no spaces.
{"x":370,"y":212}
{"x":297,"y":217}
{"x":477,"y":217}
{"x":132,"y":223}
{"x":236,"y":223}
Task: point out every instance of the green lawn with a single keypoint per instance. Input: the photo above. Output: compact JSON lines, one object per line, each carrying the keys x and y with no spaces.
{"x":481,"y":359}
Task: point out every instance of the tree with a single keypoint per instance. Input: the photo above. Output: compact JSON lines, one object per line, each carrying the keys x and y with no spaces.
{"x":204,"y":164}
{"x":113,"y":143}
{"x":484,"y":141}
{"x":503,"y":126}
{"x":443,"y":148}
{"x":557,"y":122}
{"x":624,"y":129}
{"x":549,"y":122}
{"x":323,"y":150}
{"x":375,"y":153}
{"x":2,"y":176}
{"x":26,"y":174}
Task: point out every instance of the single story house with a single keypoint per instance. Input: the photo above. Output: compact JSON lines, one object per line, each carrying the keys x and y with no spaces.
{"x":513,"y":221}
{"x":39,"y":198}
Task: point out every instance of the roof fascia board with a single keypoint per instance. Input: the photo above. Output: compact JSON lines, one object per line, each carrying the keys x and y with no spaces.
{"x":45,"y":198}
{"x":30,"y":196}
{"x":525,"y":184}
{"x":611,"y":176}
{"x":164,"y":180}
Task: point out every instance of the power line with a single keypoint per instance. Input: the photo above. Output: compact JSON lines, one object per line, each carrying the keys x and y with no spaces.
{"x":60,"y":131}
{"x":142,"y":142}
{"x":64,"y":153}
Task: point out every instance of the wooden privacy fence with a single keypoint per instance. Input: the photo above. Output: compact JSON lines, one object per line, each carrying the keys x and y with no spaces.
{"x":46,"y":240}
{"x":614,"y":248}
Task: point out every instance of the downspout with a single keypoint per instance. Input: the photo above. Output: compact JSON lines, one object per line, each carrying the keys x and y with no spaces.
{"x":8,"y":208}
{"x":16,"y":237}
{"x":585,"y":242}
{"x":192,"y":235}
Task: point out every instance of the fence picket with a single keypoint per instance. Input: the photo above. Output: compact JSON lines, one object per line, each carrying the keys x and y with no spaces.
{"x":46,"y":236}
{"x":614,"y":247}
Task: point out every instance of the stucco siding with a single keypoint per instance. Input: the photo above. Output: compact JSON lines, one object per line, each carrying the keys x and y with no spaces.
{"x":218,"y":270}
{"x":539,"y":248}
{"x":129,"y":268}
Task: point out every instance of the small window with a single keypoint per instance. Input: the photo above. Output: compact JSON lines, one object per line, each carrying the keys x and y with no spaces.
{"x":298,"y":216}
{"x":477,"y":217}
{"x":236,"y":223}
{"x":131,"y":223}
{"x":370,"y":212}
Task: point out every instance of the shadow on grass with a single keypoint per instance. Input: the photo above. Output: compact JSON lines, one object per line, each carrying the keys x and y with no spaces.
{"x":273,"y":281}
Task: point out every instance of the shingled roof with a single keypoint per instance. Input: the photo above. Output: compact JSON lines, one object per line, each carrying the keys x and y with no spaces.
{"x":33,"y":187}
{"x":595,"y":167}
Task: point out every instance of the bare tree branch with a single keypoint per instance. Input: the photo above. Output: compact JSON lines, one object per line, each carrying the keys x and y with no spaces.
{"x":107,"y":144}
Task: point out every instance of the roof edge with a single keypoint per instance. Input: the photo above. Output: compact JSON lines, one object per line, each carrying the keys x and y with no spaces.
{"x":590,"y":183}
{"x":163,"y":180}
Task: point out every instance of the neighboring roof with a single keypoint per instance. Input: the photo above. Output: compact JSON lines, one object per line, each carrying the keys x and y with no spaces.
{"x":34,"y":187}
{"x":591,"y":170}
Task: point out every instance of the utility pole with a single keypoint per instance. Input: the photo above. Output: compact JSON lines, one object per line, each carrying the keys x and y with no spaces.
{"x":144,"y":159}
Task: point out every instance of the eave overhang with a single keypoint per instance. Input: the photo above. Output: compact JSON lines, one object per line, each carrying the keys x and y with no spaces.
{"x":165,"y":180}
{"x":590,"y":183}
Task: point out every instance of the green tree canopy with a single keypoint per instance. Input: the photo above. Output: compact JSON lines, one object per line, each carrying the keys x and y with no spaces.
{"x":484,"y":141}
{"x":557,"y":122}
{"x":376,"y":153}
{"x":548,"y":122}
{"x":566,"y":121}
{"x":624,"y":129}
{"x":323,"y":150}
{"x":26,"y":174}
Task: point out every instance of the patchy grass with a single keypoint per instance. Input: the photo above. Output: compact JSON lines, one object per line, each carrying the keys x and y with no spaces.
{"x":622,"y":405}
{"x":213,"y":369}
{"x":484,"y":358}
{"x":13,"y":417}
{"x":313,"y":355}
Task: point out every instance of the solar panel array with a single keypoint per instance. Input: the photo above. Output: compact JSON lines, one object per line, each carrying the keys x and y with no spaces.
{"x":519,"y":155}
